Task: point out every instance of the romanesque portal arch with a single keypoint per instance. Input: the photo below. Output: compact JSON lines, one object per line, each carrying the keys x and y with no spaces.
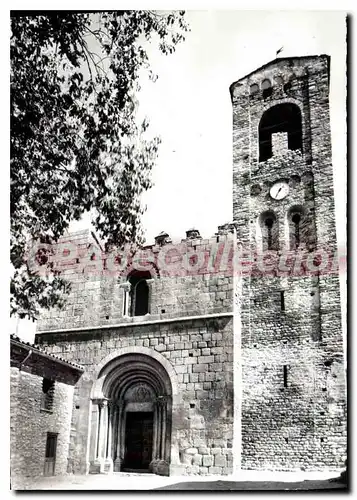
{"x":131,"y":416}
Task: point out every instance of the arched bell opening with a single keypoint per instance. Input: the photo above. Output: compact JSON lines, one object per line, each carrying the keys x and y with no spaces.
{"x":280,"y":128}
{"x":132,"y":424}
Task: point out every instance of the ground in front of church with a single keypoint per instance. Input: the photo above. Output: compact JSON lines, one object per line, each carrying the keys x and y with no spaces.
{"x":247,"y":480}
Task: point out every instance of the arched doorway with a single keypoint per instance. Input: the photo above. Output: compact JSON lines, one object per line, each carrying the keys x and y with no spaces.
{"x":131,"y":420}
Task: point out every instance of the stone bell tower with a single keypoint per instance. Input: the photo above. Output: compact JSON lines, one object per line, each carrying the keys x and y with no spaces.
{"x":293,"y":408}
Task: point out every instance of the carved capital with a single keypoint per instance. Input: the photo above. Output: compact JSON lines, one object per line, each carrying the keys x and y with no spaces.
{"x":125,"y":286}
{"x":161,"y":400}
{"x":100,"y":402}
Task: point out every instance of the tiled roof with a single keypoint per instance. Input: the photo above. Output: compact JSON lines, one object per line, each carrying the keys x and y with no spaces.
{"x":42,"y":351}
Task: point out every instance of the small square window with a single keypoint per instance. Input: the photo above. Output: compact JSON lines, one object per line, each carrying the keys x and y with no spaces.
{"x":48,"y":389}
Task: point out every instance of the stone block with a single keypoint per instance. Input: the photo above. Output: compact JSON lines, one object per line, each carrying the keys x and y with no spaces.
{"x":203,"y":471}
{"x":181,"y":368}
{"x":191,"y":451}
{"x":203,"y":451}
{"x":215,"y":470}
{"x":194,"y":470}
{"x":199,"y":368}
{"x":220,"y":461}
{"x":206,"y":359}
{"x":190,"y":361}
{"x":207,"y":460}
{"x":197,"y":460}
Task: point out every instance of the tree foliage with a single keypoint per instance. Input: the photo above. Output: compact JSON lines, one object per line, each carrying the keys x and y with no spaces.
{"x":76,"y":142}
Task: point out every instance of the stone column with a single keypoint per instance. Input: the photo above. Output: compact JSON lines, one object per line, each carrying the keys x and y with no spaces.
{"x":97,"y":445}
{"x":163,"y":467}
{"x":168,"y":420}
{"x":159,"y":464}
{"x":108,"y":463}
{"x":114,"y":430}
{"x":155,"y":433}
{"x":156,"y":437}
{"x":118,"y":440}
{"x":126,"y":297}
{"x":94,"y":430}
{"x":158,"y":430}
{"x":149,"y":283}
{"x":122,"y":434}
{"x":103,"y":429}
{"x":163,"y":429}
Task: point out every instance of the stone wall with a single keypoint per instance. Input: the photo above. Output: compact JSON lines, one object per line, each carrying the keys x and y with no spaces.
{"x":292,"y":417}
{"x":29,"y":425}
{"x":189,"y":324}
{"x":192,"y":277}
{"x":201,"y":355}
{"x":287,"y":333}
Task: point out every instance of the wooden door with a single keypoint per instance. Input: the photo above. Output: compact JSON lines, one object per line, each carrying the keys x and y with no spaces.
{"x":138,"y":440}
{"x":50,"y":457}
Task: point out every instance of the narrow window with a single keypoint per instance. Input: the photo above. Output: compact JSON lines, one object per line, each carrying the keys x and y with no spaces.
{"x":50,"y":457}
{"x":140,"y":293}
{"x":299,"y":227}
{"x":141,"y":298}
{"x":269,"y":231}
{"x":267,"y":88}
{"x":48,"y":388}
{"x":296,"y":218}
{"x":282,"y":300}
{"x":285,"y":375}
{"x":269,"y":224}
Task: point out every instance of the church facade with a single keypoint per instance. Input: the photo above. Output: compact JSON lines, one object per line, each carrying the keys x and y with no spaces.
{"x":209,"y":356}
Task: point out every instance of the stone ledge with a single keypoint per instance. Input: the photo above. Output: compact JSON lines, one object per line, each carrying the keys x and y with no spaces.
{"x":141,"y":323}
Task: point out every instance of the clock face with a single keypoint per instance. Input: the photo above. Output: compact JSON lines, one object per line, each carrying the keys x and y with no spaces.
{"x":279,"y":190}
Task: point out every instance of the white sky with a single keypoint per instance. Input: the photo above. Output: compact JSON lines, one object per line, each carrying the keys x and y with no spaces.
{"x":190,"y":108}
